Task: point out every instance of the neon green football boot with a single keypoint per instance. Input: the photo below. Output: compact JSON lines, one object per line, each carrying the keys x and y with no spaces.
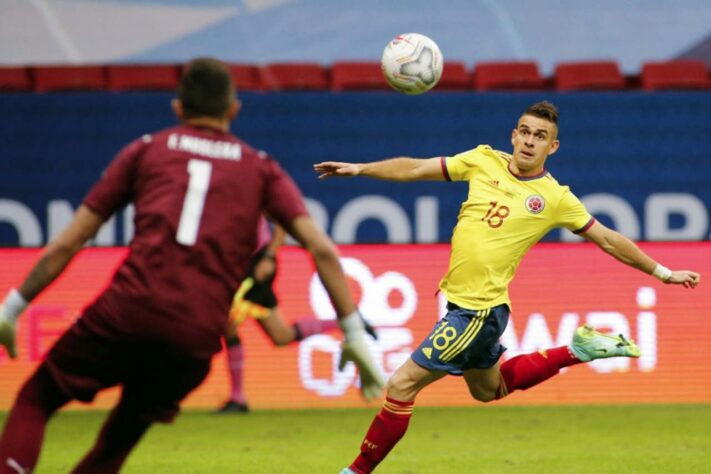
{"x":589,"y":344}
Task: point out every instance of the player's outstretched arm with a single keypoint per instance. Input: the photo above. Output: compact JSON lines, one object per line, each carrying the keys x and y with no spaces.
{"x":394,"y":169}
{"x":627,"y":252}
{"x":52,"y":262}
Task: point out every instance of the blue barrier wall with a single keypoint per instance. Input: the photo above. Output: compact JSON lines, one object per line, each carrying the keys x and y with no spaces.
{"x":641,"y":162}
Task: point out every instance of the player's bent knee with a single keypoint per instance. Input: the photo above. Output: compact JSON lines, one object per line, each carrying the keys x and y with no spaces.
{"x":482,"y":395}
{"x":401,"y":386}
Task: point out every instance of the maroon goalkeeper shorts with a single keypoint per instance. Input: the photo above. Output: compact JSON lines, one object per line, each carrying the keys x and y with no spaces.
{"x":155,"y":378}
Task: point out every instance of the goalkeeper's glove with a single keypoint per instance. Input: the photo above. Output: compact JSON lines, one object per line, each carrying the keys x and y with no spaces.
{"x":10,"y":310}
{"x":371,"y":382}
{"x":242,"y":309}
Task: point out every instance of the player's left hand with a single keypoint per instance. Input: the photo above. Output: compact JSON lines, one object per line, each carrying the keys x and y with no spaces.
{"x":684,"y":277}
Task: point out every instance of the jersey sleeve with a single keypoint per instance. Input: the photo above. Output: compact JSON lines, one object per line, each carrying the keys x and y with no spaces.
{"x":572,"y":213}
{"x":461,"y":166}
{"x":115,"y":187}
{"x":283,"y":199}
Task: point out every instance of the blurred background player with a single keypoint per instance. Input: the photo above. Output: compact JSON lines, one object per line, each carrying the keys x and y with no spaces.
{"x":512,"y":203}
{"x":154,"y":330}
{"x":256,"y":299}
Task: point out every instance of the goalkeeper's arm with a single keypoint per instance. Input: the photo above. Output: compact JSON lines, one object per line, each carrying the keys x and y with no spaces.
{"x":329,"y":269}
{"x":55,"y":257}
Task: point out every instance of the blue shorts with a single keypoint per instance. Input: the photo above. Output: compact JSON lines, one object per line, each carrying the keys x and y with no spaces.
{"x":464,"y":339}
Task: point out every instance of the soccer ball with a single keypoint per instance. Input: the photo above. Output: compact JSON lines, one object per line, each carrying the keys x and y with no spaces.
{"x":412,"y":63}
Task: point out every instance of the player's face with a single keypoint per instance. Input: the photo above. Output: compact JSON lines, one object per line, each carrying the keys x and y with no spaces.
{"x":533,"y":140}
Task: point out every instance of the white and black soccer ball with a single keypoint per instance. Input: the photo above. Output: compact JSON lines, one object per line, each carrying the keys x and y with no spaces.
{"x":412,"y":63}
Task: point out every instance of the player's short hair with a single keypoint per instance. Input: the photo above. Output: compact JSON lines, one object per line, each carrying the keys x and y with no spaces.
{"x":206,"y":88}
{"x":544,"y":110}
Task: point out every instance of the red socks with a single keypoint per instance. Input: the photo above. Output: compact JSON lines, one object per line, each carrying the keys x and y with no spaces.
{"x":526,"y":370}
{"x":386,"y":430}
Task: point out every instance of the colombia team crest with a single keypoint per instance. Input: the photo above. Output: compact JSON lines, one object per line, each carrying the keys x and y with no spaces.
{"x":535,"y":204}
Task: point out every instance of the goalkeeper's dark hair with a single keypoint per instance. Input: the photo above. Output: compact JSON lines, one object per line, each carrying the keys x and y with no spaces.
{"x":206,"y":88}
{"x":544,"y":110}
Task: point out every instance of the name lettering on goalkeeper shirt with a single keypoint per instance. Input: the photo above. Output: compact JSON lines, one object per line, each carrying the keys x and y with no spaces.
{"x":222,"y":150}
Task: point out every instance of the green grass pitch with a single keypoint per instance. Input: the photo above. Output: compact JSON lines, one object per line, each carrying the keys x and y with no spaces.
{"x":480,"y":439}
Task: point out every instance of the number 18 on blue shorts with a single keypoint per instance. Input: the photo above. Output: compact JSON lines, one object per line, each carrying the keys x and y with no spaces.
{"x":464,"y":339}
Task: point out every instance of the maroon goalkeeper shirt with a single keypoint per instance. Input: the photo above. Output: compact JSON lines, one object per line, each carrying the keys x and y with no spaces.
{"x":199,"y":195}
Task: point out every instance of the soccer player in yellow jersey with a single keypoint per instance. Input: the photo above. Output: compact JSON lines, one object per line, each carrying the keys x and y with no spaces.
{"x":512,"y":203}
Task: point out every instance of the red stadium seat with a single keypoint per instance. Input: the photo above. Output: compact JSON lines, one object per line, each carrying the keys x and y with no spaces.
{"x":454,"y":77}
{"x":16,"y":79}
{"x":507,"y":75}
{"x":143,"y":77}
{"x":63,"y":78}
{"x":295,"y":76}
{"x":357,"y":75}
{"x":588,"y":75}
{"x":682,"y":74}
{"x":246,"y":77}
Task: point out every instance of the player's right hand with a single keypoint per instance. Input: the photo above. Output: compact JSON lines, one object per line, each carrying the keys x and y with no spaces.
{"x":328,"y":169}
{"x":371,"y":382}
{"x":685,"y":277}
{"x":7,"y":334}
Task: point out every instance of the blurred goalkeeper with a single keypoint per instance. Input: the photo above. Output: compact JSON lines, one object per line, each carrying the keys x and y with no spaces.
{"x":255,"y":299}
{"x":199,"y":193}
{"x":511,"y":204}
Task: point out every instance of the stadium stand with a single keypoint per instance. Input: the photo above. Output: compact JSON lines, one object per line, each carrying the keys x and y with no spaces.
{"x":588,"y":75}
{"x":143,"y":77}
{"x":247,"y":77}
{"x":295,"y":76}
{"x":357,"y":75}
{"x":63,"y":78}
{"x":363,"y":75}
{"x":454,"y":77}
{"x":507,"y":75}
{"x":15,"y":79}
{"x":682,"y":74}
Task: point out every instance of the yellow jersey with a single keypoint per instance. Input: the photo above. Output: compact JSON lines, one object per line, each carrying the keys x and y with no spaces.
{"x":502,"y":217}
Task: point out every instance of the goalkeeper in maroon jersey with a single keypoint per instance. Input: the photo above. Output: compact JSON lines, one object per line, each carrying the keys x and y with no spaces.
{"x":199,"y":193}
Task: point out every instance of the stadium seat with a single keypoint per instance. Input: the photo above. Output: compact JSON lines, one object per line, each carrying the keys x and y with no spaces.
{"x":507,"y":75}
{"x":63,"y":78}
{"x":357,"y":75}
{"x":294,"y":76}
{"x":454,"y":77}
{"x":588,"y":75}
{"x":682,"y":74}
{"x":143,"y":77}
{"x":246,"y":77}
{"x":15,"y":79}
